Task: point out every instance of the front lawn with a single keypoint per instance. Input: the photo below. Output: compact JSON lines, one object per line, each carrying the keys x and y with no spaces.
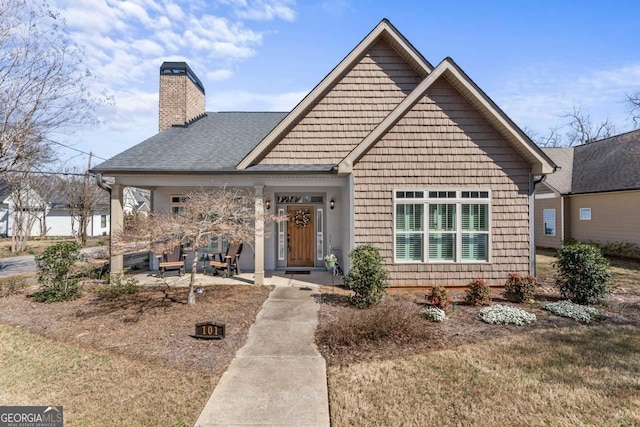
{"x":129,"y":361}
{"x":463,"y":371}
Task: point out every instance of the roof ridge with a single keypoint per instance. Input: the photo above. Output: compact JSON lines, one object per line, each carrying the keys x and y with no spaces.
{"x":608,"y":137}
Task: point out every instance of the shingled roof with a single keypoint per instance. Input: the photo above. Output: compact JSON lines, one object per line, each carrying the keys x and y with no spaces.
{"x":560,"y":180}
{"x":610,"y":164}
{"x":214,"y":143}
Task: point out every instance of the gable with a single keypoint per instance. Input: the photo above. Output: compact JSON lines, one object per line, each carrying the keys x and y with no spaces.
{"x":539,"y":162}
{"x":443,"y":137}
{"x":348,"y":112}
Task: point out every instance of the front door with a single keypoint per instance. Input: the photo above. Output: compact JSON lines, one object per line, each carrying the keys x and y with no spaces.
{"x":300,"y":236}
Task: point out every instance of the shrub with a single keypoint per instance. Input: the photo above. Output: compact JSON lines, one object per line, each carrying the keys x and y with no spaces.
{"x":577,"y":312}
{"x":367,"y":277}
{"x":391,"y":321}
{"x":583,"y":273}
{"x":478,"y":293}
{"x":520,"y":289}
{"x":506,"y":315}
{"x":11,"y":286}
{"x":54,"y":272}
{"x":619,"y":249}
{"x":118,"y":287}
{"x":439,"y":297}
{"x":434,"y":314}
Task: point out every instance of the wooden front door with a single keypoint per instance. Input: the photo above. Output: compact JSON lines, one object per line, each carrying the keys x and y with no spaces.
{"x":300,"y":236}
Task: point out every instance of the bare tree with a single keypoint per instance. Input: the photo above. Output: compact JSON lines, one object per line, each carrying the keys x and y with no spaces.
{"x":42,"y":85}
{"x":551,"y":139}
{"x":29,"y":195}
{"x":633,"y":104}
{"x":220,"y":212}
{"x":582,"y":129}
{"x":82,"y":199}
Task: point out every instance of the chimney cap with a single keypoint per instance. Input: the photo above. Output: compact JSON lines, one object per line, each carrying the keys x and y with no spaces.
{"x":178,"y":68}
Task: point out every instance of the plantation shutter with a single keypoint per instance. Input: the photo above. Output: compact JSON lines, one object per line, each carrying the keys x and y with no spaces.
{"x":409,"y":232}
{"x":475,"y":232}
{"x":442,"y":227}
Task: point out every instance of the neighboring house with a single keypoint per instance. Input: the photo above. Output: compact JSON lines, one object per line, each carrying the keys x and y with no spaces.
{"x":53,"y":218}
{"x":594,"y":196}
{"x":386,"y":149}
{"x":136,"y":201}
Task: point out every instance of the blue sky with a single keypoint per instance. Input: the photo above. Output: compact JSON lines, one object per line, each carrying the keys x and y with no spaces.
{"x":535,"y":59}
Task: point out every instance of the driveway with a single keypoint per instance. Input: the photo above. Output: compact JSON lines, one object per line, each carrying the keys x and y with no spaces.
{"x":27,"y":264}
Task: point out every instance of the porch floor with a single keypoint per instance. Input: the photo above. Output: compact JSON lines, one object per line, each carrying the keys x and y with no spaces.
{"x":272,"y":277}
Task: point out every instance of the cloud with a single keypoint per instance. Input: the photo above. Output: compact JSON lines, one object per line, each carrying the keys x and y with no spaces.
{"x":249,"y":101}
{"x":262,"y":10}
{"x":148,"y":47}
{"x":538,"y":96}
{"x":126,"y":41}
{"x":218,"y":75}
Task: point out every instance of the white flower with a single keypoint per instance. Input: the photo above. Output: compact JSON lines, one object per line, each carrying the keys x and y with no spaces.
{"x":506,"y":315}
{"x":434,"y":314}
{"x":581,"y":313}
{"x":330,"y":257}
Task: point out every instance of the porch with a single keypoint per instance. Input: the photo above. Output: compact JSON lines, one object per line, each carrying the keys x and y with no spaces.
{"x":271,"y":277}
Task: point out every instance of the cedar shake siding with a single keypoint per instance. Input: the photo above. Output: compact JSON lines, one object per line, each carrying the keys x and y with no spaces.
{"x":444,"y":143}
{"x":349,"y":111}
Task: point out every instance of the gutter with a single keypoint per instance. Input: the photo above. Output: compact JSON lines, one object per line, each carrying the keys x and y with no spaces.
{"x":102,"y":184}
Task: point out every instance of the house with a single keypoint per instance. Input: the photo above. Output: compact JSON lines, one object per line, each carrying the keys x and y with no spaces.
{"x":136,"y":201}
{"x":387,"y":149}
{"x":51,"y":213}
{"x":594,"y":196}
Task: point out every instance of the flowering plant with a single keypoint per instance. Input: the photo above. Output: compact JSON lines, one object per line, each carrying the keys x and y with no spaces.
{"x":577,"y":312}
{"x":506,"y":315}
{"x":330,"y":257}
{"x":301,"y":217}
{"x":434,"y":314}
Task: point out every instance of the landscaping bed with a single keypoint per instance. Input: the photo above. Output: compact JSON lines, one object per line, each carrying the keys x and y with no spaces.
{"x":395,"y":367}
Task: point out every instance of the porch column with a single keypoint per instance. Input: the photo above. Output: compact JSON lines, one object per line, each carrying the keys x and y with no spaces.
{"x":259,"y":243}
{"x":116,"y":228}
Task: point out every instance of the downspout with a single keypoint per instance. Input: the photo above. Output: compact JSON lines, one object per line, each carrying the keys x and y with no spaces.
{"x":532,"y":227}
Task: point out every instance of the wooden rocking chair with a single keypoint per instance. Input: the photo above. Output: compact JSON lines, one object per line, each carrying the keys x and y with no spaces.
{"x":172,"y":260}
{"x":230,"y":261}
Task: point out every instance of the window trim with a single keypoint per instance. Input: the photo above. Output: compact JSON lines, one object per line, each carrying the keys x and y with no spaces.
{"x":458,"y":201}
{"x":544,"y":222}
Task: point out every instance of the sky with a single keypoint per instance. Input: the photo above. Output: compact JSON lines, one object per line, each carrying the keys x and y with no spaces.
{"x":535,"y":59}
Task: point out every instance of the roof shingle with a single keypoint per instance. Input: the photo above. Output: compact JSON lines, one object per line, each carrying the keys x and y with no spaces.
{"x":215,"y":143}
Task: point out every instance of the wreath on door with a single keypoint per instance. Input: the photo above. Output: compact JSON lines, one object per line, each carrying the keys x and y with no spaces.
{"x":301,"y":218}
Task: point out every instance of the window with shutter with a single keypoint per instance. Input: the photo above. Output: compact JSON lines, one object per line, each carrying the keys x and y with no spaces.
{"x":445,"y":225}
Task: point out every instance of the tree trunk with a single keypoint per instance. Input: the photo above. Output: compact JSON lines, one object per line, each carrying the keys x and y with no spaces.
{"x":194,"y":265}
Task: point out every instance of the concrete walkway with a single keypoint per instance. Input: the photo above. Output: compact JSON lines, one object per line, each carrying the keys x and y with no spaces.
{"x":278,"y":378}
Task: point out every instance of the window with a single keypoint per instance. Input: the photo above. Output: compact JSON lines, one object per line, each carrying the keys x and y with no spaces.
{"x":319,"y":235}
{"x":178,"y":204}
{"x":281,"y":236}
{"x":549,"y":219}
{"x":409,"y":232}
{"x":103,"y":221}
{"x":441,"y":226}
{"x":585,"y":214}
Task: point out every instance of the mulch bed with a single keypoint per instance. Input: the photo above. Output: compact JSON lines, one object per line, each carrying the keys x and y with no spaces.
{"x":462,"y":325}
{"x":153,"y":325}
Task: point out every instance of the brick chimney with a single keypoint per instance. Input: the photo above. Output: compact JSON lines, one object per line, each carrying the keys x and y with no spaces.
{"x":181,"y":95}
